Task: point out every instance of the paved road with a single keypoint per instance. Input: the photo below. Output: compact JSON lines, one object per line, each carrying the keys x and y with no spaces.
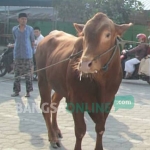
{"x":125,"y":129}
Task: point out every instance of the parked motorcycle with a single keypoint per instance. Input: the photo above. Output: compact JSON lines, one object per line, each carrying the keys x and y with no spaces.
{"x":135,"y":75}
{"x":6,"y":61}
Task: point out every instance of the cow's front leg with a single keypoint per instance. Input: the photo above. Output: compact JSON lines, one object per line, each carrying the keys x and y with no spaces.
{"x":98,"y":118}
{"x":80,"y":128}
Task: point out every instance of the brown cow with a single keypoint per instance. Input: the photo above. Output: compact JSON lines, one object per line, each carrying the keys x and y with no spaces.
{"x":91,"y":77}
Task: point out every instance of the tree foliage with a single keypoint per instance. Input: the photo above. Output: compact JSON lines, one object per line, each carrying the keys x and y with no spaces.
{"x":82,"y":10}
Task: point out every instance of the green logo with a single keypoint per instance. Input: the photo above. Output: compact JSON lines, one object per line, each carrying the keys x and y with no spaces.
{"x":92,"y":108}
{"x":124,"y":102}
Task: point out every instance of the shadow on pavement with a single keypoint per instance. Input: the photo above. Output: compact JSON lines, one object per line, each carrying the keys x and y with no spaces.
{"x":116,"y":133}
{"x":33,"y":123}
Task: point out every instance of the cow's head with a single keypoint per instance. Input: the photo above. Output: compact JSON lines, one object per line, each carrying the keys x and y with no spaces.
{"x":99,"y":35}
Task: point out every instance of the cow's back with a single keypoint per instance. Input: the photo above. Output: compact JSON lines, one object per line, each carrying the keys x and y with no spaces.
{"x":54,"y":48}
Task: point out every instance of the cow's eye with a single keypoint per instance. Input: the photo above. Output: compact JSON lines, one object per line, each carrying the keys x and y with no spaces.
{"x":108,"y":35}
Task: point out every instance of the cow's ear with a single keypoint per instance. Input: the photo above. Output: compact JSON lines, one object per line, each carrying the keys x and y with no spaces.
{"x":122,"y":28}
{"x":78,"y":27}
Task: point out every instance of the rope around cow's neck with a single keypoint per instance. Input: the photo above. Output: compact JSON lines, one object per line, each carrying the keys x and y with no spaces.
{"x":120,"y":42}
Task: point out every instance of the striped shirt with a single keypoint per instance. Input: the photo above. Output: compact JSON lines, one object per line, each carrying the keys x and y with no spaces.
{"x":23,"y":42}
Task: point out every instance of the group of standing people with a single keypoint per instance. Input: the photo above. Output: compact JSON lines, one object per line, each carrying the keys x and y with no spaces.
{"x":26,"y":40}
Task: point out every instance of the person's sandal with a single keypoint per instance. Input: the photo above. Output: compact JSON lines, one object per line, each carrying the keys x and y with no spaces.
{"x":14,"y":94}
{"x":27,"y":94}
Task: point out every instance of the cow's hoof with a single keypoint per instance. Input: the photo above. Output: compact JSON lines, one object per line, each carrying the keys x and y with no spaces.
{"x":60,"y":135}
{"x":55,"y":145}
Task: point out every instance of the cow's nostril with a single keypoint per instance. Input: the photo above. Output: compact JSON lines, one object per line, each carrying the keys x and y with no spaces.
{"x":90,"y":64}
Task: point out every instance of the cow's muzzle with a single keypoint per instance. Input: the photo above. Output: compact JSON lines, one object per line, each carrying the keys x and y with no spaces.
{"x":86,"y":66}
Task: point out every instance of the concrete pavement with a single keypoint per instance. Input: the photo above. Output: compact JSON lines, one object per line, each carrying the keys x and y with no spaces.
{"x":125,"y":129}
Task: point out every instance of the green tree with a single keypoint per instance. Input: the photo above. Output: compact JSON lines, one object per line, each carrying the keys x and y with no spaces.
{"x":119,"y":10}
{"x":71,"y":10}
{"x":81,"y":10}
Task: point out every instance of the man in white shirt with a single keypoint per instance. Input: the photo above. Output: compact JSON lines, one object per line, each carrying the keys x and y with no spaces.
{"x":38,"y":38}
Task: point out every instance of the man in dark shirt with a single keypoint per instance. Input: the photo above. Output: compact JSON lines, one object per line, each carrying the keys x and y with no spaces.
{"x":140,"y":52}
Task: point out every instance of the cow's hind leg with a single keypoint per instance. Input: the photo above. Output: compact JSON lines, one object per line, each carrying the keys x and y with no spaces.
{"x":80,"y":128}
{"x":45,"y":92}
{"x":55,"y":103}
